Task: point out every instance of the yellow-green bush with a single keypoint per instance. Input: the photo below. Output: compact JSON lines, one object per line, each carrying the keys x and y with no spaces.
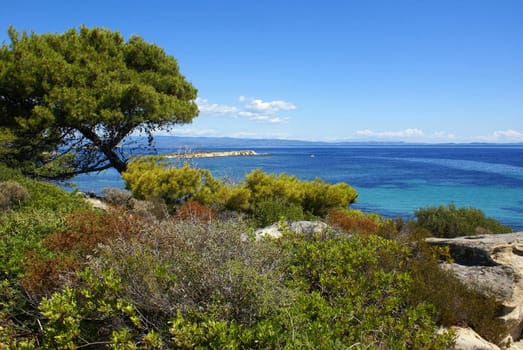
{"x":150,"y":177}
{"x":260,"y":193}
{"x":315,"y":197}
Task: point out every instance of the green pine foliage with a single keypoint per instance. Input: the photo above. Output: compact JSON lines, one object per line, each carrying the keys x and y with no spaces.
{"x":69,"y":100}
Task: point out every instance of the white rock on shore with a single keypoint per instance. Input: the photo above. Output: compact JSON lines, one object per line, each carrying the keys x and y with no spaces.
{"x":213,"y":154}
{"x":467,"y":339}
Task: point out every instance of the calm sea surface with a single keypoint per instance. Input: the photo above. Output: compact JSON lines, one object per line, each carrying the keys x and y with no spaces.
{"x":391,"y":180}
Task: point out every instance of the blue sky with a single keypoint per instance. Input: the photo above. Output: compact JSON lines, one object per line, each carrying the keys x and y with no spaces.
{"x":429,"y":71}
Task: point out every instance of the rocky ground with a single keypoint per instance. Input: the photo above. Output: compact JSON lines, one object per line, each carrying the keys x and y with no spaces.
{"x":494,"y":265}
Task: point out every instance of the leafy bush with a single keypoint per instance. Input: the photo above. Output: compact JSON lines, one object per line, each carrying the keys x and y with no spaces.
{"x":150,"y":177}
{"x":355,"y":290}
{"x":92,"y":315}
{"x":22,"y":232}
{"x":268,"y":212}
{"x":267,"y":197}
{"x":314,"y":197}
{"x":455,"y":303}
{"x":449,"y":221}
{"x":134,"y":286}
{"x":352,"y":221}
{"x":12,"y":194}
{"x":196,"y":212}
{"x":208,"y":286}
{"x":7,"y":173}
{"x":195,"y":268}
{"x":116,"y":196}
{"x":66,"y":249}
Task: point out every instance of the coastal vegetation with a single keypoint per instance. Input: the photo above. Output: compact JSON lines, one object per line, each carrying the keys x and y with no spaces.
{"x":265,"y":197}
{"x":449,"y":221}
{"x":176,"y":262}
{"x":196,"y":276}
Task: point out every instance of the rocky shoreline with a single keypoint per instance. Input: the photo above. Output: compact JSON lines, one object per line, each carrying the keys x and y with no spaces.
{"x":492,"y":264}
{"x":214,"y":154}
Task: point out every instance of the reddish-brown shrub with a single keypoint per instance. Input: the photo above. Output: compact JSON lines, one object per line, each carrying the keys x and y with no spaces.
{"x":351,"y":224}
{"x":86,"y":229}
{"x":196,"y":212}
{"x":44,"y":275}
{"x":68,"y":249}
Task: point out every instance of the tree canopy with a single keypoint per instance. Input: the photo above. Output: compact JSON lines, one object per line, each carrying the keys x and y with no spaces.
{"x":69,"y":101}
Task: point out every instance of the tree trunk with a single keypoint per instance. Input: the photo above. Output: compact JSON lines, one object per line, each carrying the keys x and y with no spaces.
{"x":117,"y":163}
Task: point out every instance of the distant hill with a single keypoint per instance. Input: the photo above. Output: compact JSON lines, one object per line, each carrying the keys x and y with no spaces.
{"x":163,"y":141}
{"x":195,"y":143}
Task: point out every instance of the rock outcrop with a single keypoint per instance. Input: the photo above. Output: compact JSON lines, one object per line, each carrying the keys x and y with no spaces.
{"x":306,"y":228}
{"x":467,"y":339}
{"x":494,"y":265}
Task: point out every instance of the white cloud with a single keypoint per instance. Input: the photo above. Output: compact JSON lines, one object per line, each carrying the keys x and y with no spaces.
{"x":195,"y":132}
{"x":265,"y":111}
{"x":214,"y":108}
{"x":503,"y":136}
{"x":263,"y":118}
{"x":253,"y":109}
{"x":407,"y":133}
{"x":267,"y":107}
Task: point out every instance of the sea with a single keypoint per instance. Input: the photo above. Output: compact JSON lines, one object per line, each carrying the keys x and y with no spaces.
{"x":392,"y":180}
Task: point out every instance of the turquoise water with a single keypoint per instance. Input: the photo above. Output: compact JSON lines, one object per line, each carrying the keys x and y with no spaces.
{"x":391,"y":180}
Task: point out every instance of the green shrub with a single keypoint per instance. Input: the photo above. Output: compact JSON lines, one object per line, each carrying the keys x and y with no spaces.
{"x":268,"y":212}
{"x":43,"y":195}
{"x":455,"y":303}
{"x":449,"y":221}
{"x":195,"y":267}
{"x":356,"y":290}
{"x":260,"y":195}
{"x":314,"y":197}
{"x":22,"y":232}
{"x":151,"y":177}
{"x":7,"y":173}
{"x":51,"y":197}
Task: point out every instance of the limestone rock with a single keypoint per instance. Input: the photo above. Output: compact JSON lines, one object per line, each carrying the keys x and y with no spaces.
{"x":467,"y":339}
{"x":306,"y":228}
{"x":97,"y":203}
{"x":493,"y":264}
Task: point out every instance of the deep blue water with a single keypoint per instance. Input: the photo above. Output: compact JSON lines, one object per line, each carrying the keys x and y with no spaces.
{"x":391,"y":180}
